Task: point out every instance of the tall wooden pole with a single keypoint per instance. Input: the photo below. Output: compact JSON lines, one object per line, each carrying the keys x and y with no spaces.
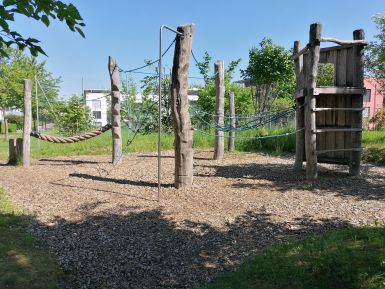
{"x":299,"y":116}
{"x":357,"y":102}
{"x":27,"y":122}
{"x":115,"y":111}
{"x":231,"y":144}
{"x":219,"y":145}
{"x":180,"y":108}
{"x":310,"y":100}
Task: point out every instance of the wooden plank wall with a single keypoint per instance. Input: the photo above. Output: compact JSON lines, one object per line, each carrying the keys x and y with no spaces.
{"x":342,"y":58}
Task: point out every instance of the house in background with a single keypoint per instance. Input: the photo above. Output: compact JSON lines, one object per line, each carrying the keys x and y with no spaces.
{"x":96,"y":100}
{"x":373,"y":100}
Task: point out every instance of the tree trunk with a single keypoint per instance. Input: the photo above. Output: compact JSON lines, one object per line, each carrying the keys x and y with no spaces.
{"x":5,"y":124}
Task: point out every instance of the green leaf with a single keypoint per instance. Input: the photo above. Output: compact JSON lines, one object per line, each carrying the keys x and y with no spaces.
{"x":45,"y":20}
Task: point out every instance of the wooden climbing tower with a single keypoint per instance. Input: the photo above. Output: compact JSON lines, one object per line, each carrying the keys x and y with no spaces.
{"x":331,"y":116}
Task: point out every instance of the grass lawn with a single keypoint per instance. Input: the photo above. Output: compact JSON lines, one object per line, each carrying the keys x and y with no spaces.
{"x":23,"y":261}
{"x":351,"y":258}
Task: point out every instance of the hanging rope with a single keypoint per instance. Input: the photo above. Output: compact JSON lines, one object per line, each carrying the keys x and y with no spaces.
{"x":71,"y":139}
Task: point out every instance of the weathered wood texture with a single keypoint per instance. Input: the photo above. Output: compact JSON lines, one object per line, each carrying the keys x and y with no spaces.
{"x":231,"y":143}
{"x":15,"y":151}
{"x":117,"y":153}
{"x":300,"y":134}
{"x":310,"y":117}
{"x":27,"y":122}
{"x":180,"y":108}
{"x":357,"y":102}
{"x":219,"y":145}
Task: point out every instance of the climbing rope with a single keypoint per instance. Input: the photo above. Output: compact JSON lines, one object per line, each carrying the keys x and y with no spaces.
{"x":71,"y":139}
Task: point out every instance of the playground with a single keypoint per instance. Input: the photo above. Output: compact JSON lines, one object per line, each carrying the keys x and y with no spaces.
{"x":106,"y":230}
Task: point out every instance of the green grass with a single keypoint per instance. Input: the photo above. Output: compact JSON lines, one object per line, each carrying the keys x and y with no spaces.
{"x":23,"y":262}
{"x":351,"y":258}
{"x":374,"y":141}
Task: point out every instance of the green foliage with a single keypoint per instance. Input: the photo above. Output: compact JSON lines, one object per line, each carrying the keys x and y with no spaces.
{"x":379,"y":119}
{"x":271,"y":69}
{"x":350,"y":258}
{"x":375,"y":52}
{"x":11,"y":127}
{"x":42,"y":11}
{"x":75,"y":117}
{"x":18,"y":120}
{"x":325,"y":75}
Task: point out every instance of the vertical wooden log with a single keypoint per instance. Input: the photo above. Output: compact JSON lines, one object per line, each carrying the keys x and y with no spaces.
{"x":357,"y":102}
{"x":231,"y":144}
{"x":180,"y":108}
{"x":219,"y":145}
{"x":115,"y":111}
{"x":310,"y":100}
{"x":27,"y":122}
{"x":12,"y":156}
{"x":299,"y":116}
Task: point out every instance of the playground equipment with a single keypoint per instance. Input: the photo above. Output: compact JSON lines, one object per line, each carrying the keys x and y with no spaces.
{"x":331,"y":116}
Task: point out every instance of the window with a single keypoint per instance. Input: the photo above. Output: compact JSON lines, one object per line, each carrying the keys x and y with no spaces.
{"x":367,"y":95}
{"x":96,"y":104}
{"x":365,"y":112}
{"x":97,"y":114}
{"x":325,"y":75}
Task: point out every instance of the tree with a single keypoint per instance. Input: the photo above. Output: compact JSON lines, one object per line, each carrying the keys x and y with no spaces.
{"x":375,"y":52}
{"x":41,"y":10}
{"x":13,"y":69}
{"x":379,"y":119}
{"x":207,"y":94}
{"x":271,"y":70}
{"x":75,"y":117}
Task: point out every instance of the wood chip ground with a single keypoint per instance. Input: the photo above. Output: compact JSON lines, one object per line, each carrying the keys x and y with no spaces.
{"x":107,"y":230}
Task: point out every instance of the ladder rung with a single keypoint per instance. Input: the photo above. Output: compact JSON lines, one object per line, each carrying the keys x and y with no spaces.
{"x":338,"y":108}
{"x":318,"y":130}
{"x":339,"y":150}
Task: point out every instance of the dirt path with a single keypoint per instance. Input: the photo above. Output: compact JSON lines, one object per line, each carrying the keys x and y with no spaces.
{"x":108,"y":231}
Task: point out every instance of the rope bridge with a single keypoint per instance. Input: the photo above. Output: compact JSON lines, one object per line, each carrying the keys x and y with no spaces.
{"x":71,"y":139}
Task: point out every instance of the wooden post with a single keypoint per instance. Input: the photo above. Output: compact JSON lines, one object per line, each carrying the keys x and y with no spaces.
{"x":231,"y":143}
{"x":357,"y":102}
{"x":299,"y":116}
{"x":219,"y":146}
{"x":310,"y":100}
{"x":27,"y":122}
{"x":15,"y":151}
{"x":115,"y":111}
{"x":183,"y":142}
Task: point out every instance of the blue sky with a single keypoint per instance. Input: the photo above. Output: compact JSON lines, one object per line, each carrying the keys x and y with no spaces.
{"x":128,"y":30}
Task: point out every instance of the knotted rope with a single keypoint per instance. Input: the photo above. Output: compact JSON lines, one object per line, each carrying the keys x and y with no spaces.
{"x":71,"y":139}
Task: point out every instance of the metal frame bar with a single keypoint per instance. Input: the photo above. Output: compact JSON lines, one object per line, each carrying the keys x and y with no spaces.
{"x":160,"y":101}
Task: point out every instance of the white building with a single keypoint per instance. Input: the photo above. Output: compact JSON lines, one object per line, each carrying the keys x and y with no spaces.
{"x":96,"y":100}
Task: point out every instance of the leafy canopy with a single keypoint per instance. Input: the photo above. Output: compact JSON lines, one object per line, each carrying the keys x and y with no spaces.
{"x":41,"y":10}
{"x":375,"y":52}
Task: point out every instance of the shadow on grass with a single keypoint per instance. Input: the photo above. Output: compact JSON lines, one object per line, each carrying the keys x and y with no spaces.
{"x":369,"y":186}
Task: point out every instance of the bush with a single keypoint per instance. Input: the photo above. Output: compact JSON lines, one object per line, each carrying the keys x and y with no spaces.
{"x":11,"y":127}
{"x":16,"y":119}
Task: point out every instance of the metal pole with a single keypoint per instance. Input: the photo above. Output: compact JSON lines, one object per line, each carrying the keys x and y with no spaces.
{"x":160,"y":102}
{"x":37,"y":107}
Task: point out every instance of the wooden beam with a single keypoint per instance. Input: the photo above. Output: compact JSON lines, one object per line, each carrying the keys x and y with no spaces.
{"x":183,"y":149}
{"x":296,"y":55}
{"x":338,"y":90}
{"x":333,"y":129}
{"x":310,"y":100}
{"x":357,"y":102}
{"x":343,"y":42}
{"x":219,"y":145}
{"x":299,"y":116}
{"x":337,"y":108}
{"x":231,"y":143}
{"x":117,"y":153}
{"x":339,"y":150}
{"x":300,"y":93}
{"x":27,"y":122}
